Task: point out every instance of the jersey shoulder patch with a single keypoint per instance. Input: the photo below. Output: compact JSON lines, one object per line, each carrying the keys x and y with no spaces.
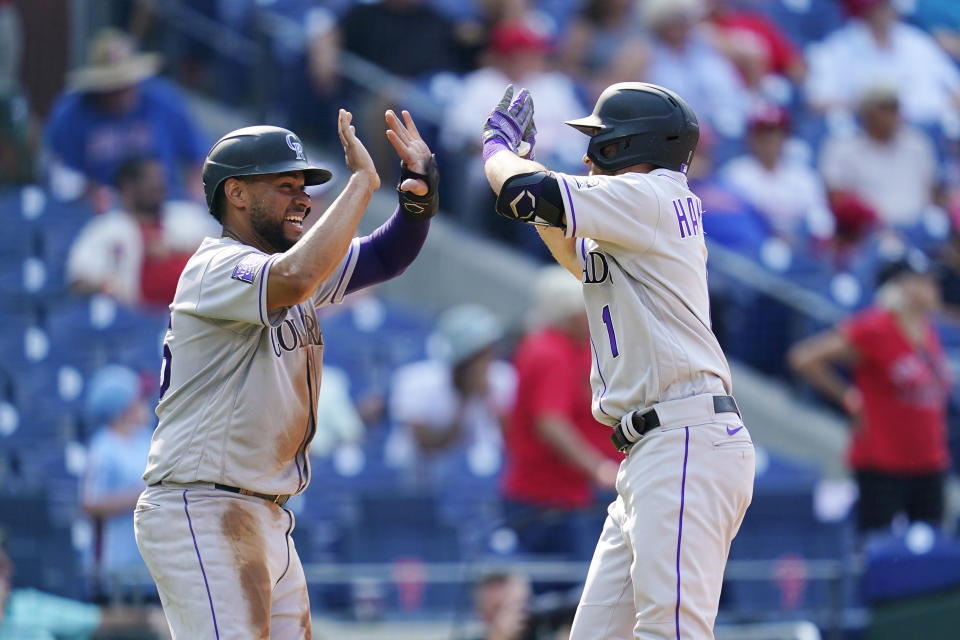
{"x":246,"y":269}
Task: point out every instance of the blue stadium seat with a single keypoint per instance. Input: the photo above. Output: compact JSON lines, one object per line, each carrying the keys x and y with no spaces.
{"x":41,"y":551}
{"x":408,"y":547}
{"x":369,"y":348}
{"x":99,"y":330}
{"x":921,"y":562}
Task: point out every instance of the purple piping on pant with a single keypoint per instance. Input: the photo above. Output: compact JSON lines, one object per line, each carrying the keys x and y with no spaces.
{"x":286,"y":537}
{"x":202,"y":571}
{"x":683,"y":489}
{"x":599,"y":373}
{"x":346,"y":264}
{"x":573,"y":214}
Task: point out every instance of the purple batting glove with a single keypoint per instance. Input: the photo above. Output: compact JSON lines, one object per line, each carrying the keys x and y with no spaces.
{"x":507,"y":122}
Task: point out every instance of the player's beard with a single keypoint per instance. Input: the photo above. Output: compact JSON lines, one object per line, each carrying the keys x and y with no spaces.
{"x":268,"y":228}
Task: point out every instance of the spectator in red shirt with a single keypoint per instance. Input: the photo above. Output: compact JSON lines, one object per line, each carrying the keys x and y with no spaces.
{"x":897,"y":398}
{"x":136,"y":251}
{"x":556,"y":452}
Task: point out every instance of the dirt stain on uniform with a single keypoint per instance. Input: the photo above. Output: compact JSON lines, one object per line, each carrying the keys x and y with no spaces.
{"x":288,"y":442}
{"x":305,"y":624}
{"x":241,"y":529}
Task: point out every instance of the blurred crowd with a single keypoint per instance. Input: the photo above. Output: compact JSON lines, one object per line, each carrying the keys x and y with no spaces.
{"x":828,"y":128}
{"x":823,"y":122}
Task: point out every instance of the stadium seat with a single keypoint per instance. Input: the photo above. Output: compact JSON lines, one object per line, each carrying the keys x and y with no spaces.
{"x":781,"y":528}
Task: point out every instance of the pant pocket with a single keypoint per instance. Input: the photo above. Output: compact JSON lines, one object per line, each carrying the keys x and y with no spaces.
{"x":730,"y":443}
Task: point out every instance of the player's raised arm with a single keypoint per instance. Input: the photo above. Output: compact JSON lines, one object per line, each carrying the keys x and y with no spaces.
{"x":297,"y":273}
{"x":509,"y":135}
{"x":532,"y":194}
{"x":392,"y":246}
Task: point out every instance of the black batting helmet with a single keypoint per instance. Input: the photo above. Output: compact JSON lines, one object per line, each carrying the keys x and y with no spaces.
{"x":647,"y":123}
{"x":255,"y":151}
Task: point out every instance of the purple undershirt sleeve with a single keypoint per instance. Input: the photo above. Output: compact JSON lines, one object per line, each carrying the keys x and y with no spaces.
{"x":388,"y":251}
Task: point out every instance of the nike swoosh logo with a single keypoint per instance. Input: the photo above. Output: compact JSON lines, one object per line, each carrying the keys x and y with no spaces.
{"x":730,"y":431}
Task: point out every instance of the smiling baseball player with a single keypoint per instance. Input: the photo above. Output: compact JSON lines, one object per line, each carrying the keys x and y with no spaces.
{"x":632,"y":233}
{"x":241,"y":372}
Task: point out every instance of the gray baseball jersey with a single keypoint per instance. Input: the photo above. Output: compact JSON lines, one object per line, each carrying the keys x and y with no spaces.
{"x":239,"y":385}
{"x":640,"y":244}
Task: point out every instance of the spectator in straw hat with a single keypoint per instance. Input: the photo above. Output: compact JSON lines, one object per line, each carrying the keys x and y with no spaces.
{"x":116,"y":107}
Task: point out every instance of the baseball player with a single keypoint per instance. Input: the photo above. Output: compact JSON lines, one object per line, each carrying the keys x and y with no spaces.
{"x":631,"y":232}
{"x":241,"y":370}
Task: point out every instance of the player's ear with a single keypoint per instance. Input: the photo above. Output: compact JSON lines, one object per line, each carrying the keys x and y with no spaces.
{"x":235,"y":192}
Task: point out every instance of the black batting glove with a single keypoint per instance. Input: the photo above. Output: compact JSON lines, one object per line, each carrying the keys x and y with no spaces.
{"x":419,"y":207}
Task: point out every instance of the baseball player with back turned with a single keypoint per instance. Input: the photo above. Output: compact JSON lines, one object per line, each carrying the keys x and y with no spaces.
{"x":241,"y":371}
{"x":632,"y":232}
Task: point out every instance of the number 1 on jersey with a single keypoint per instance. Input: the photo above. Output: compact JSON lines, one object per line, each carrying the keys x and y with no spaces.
{"x":607,"y":320}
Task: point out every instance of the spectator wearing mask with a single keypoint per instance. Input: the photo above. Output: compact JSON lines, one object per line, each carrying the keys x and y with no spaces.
{"x":733,"y":26}
{"x":136,"y":252}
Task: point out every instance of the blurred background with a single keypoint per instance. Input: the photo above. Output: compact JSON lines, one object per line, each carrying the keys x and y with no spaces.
{"x":828,"y":156}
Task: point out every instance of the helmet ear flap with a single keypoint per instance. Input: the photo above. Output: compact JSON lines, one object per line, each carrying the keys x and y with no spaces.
{"x":613,"y":154}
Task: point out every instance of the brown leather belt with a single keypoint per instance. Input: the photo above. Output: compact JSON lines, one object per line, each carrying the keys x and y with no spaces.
{"x":644,"y":422}
{"x":279,"y":499}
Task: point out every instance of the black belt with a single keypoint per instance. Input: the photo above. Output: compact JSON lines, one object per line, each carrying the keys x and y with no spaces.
{"x":644,"y":422}
{"x":279,"y":499}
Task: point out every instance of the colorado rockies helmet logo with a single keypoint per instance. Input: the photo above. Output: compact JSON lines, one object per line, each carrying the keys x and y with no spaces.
{"x":294,"y":144}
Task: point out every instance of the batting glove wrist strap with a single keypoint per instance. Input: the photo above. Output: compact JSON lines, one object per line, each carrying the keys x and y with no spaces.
{"x":420,"y":207}
{"x":494,"y":142}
